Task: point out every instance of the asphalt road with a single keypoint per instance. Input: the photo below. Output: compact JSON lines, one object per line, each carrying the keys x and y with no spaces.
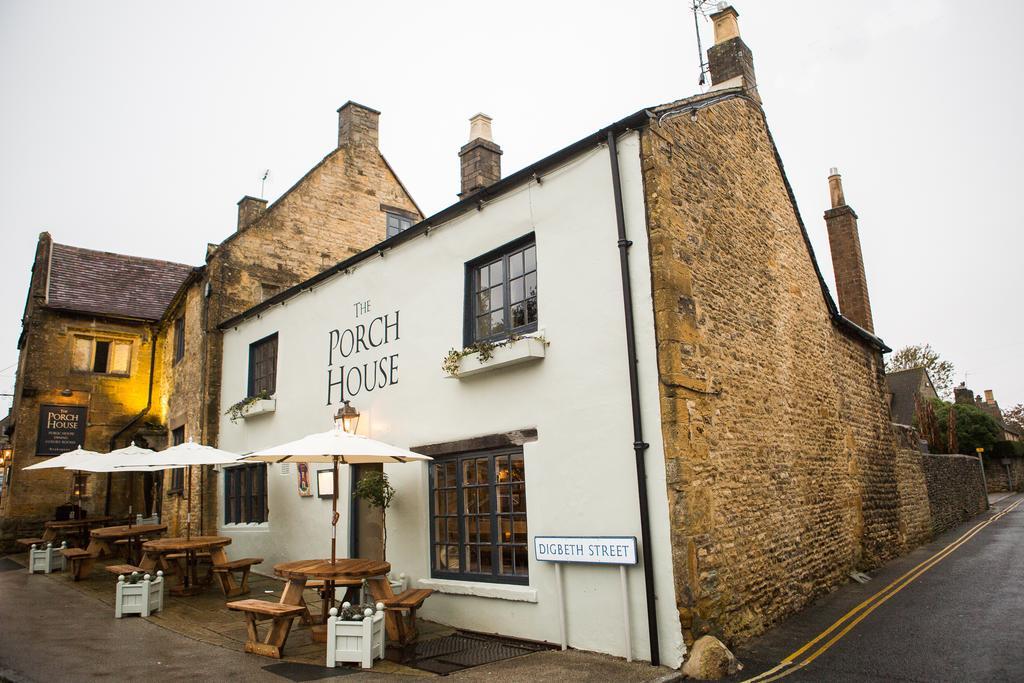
{"x":961,"y":619}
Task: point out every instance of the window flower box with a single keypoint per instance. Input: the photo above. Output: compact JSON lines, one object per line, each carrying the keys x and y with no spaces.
{"x":355,"y":641}
{"x":501,"y":355}
{"x":46,"y":560}
{"x":260,"y":407}
{"x":143,"y":598}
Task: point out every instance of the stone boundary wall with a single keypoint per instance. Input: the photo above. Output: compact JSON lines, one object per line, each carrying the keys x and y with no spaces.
{"x":955,"y":489}
{"x":999,"y":479}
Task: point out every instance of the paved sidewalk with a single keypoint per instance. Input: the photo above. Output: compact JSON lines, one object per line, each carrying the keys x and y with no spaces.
{"x":51,"y":631}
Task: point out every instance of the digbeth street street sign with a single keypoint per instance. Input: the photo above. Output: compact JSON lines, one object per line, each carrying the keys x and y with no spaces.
{"x":586,"y":549}
{"x":613,"y":550}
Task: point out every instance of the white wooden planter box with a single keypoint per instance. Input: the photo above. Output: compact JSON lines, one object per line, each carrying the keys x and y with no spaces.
{"x":46,"y":560}
{"x":261,"y":407}
{"x":522,"y":350}
{"x":355,"y":641}
{"x":143,"y":598}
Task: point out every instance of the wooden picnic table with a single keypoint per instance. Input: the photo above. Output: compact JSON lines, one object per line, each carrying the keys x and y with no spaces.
{"x":71,"y":527}
{"x":348,"y":572}
{"x":154,"y":553}
{"x":101,"y":541}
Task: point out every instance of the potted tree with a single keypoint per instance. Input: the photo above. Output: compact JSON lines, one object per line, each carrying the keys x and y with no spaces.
{"x":378,"y":492}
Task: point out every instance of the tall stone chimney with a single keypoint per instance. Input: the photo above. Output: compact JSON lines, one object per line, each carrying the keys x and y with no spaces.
{"x":847,"y":260}
{"x":249,"y":209}
{"x":989,"y":396}
{"x":357,"y":125}
{"x":963,"y":394}
{"x":480,"y":158}
{"x":730,"y":61}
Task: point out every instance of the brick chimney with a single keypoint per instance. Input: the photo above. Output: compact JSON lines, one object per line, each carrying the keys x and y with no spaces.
{"x":989,"y":396}
{"x":249,"y":209}
{"x":480,"y":158}
{"x":847,"y":261}
{"x":357,"y":125}
{"x":730,"y":61}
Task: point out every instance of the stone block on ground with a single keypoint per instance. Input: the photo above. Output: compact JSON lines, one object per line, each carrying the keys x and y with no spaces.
{"x":710,"y":660}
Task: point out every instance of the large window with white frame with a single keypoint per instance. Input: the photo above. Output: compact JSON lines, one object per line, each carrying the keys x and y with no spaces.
{"x":101,"y":356}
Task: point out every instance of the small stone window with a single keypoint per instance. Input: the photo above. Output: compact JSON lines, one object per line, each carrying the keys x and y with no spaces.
{"x":179,"y":339}
{"x":501,"y":291}
{"x":397,"y":223}
{"x":101,"y":356}
{"x":177,"y":485}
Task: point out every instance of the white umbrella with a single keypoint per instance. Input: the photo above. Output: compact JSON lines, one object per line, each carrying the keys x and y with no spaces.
{"x":128,"y":459}
{"x":185,"y":455}
{"x":69,"y":461}
{"x":336,"y":446}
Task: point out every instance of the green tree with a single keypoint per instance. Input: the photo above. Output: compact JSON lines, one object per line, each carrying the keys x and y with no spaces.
{"x":924,"y":356}
{"x":974,"y":428}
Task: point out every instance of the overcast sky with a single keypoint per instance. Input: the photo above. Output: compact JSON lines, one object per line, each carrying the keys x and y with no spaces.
{"x":135,"y":127}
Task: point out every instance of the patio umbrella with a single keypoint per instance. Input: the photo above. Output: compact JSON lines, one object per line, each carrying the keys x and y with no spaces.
{"x":186,"y":455}
{"x":67,"y":461}
{"x":131,"y":458}
{"x":336,"y":447}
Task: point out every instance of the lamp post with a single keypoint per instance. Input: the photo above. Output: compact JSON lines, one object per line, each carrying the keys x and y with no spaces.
{"x":984,"y":481}
{"x":347,"y":420}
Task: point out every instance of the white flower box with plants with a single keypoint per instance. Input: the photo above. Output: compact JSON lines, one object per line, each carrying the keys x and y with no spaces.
{"x":355,"y":635}
{"x":487,"y":356}
{"x":46,"y":559}
{"x":137,"y":595}
{"x":251,"y":406}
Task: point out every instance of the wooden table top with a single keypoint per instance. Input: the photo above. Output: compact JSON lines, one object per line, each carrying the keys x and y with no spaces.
{"x":182,"y":544}
{"x":76,"y":523}
{"x":125,"y":531}
{"x":342,"y":569}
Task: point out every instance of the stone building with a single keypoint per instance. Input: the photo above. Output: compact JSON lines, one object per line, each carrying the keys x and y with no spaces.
{"x":133,"y":344}
{"x":345,"y":204}
{"x":738,"y":426}
{"x":908,"y":388}
{"x":87,"y":375}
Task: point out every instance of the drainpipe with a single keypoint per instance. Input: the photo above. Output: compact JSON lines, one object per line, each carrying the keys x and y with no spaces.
{"x":639,"y":446}
{"x":142,"y":413}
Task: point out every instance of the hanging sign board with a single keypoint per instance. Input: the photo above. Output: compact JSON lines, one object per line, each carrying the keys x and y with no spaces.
{"x":586,"y":549}
{"x":61,"y":429}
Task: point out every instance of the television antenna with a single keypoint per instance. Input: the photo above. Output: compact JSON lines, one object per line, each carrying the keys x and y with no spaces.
{"x":263,"y":182}
{"x":701,"y":9}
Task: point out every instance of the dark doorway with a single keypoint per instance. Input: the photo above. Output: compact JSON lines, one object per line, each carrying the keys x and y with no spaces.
{"x":367,"y":522}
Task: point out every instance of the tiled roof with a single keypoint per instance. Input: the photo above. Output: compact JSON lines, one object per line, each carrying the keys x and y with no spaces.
{"x":112,"y":284}
{"x":905,"y":386}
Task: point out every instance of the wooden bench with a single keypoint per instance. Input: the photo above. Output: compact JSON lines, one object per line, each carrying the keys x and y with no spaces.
{"x":400,"y":628}
{"x":282,"y":617}
{"x":226,"y":573}
{"x":29,"y":542}
{"x":81,"y":562}
{"x":126,"y":569}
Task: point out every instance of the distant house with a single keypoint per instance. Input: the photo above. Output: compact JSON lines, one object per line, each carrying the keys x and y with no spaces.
{"x":905,"y":387}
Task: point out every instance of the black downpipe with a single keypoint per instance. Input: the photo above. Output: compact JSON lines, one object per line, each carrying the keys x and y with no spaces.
{"x":639,"y":446}
{"x":142,"y":413}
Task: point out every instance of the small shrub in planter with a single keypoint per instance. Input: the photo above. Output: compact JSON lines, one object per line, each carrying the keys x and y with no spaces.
{"x":355,"y":634}
{"x":46,"y":559}
{"x":139,"y":595}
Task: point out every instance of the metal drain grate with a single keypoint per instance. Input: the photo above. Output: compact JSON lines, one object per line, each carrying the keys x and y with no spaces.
{"x":462,"y":651}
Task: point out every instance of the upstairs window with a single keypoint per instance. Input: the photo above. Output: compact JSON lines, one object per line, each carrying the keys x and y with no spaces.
{"x":178,"y":473}
{"x":179,"y":339}
{"x":263,"y":366}
{"x":102,"y":356}
{"x":396,"y":223}
{"x":502,"y":293}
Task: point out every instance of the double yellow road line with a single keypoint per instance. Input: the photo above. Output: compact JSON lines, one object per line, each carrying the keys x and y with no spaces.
{"x":849,"y":620}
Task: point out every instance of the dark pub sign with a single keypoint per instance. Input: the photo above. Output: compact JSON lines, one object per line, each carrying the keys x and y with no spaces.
{"x":61,"y":429}
{"x":357,"y":361}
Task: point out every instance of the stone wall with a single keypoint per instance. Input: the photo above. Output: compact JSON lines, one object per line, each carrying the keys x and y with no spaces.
{"x":336,"y":210}
{"x":955,"y":489}
{"x":1004,"y":475}
{"x":45,"y":377}
{"x":783,"y":473}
